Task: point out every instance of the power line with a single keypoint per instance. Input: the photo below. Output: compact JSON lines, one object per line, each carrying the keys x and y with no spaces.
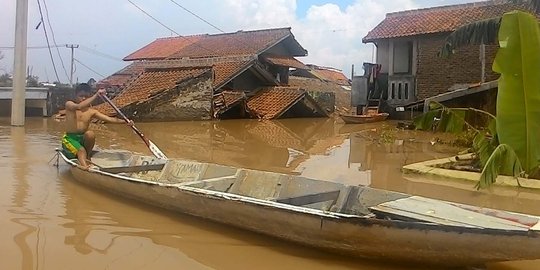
{"x":98,"y":53}
{"x":195,"y":44}
{"x":156,"y":20}
{"x":32,"y":47}
{"x":53,"y":37}
{"x":249,"y":45}
{"x":48,"y":44}
{"x":89,"y":68}
{"x":199,"y":17}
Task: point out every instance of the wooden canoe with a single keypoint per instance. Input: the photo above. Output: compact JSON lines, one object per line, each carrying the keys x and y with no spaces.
{"x":363,"y":118}
{"x":351,"y":220}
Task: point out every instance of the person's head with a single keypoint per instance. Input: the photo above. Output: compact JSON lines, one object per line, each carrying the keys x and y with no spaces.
{"x":82,"y":92}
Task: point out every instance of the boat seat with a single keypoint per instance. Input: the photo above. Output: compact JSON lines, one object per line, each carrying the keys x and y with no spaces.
{"x":259,"y":184}
{"x":217,"y":184}
{"x":184,"y":171}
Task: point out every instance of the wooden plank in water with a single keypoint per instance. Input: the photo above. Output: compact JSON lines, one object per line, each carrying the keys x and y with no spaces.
{"x":310,"y":198}
{"x":441,"y":212}
{"x":131,"y":169}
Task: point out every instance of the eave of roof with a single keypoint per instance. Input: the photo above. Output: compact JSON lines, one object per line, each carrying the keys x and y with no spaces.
{"x":285,"y":61}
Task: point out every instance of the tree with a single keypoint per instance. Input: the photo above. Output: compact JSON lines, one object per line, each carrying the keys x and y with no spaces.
{"x":6,"y":80}
{"x":32,"y":81}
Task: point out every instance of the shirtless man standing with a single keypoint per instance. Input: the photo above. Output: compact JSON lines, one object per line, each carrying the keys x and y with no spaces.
{"x":78,"y":141}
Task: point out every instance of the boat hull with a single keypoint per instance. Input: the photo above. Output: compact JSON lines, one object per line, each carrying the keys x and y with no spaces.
{"x":362,"y":119}
{"x":364,"y":237}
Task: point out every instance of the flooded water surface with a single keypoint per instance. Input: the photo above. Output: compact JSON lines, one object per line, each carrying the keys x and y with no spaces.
{"x":49,"y":221}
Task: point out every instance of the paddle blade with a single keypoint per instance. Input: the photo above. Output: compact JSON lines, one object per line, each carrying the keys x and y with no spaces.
{"x":155,"y":150}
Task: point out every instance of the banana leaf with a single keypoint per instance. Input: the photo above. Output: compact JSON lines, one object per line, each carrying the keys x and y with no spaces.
{"x":453,"y":120}
{"x":475,"y":33}
{"x":518,"y":98}
{"x":503,"y":160}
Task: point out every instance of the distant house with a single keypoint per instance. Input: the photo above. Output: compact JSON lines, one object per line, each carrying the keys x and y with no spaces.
{"x":408,"y":42}
{"x":213,"y":76}
{"x":326,"y":74}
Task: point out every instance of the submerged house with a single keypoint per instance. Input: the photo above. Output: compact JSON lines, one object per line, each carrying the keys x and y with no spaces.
{"x":326,"y":74}
{"x":408,"y":42}
{"x":200,"y":77}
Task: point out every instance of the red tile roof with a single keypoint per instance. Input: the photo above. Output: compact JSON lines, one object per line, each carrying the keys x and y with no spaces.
{"x":230,"y":97}
{"x":162,"y":48}
{"x":286,"y":61}
{"x":237,"y":43}
{"x":149,"y":83}
{"x":226,"y":71}
{"x":227,"y":99}
{"x":155,"y":80}
{"x":270,"y":103}
{"x":437,"y":19}
{"x":330,"y":75}
{"x":124,"y":76}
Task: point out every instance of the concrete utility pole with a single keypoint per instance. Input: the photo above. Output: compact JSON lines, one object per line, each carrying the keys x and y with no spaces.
{"x":18,"y":99}
{"x":72,"y":47}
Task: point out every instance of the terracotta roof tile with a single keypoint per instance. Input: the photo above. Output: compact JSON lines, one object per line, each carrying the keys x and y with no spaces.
{"x":155,"y":80}
{"x":270,"y":103}
{"x":162,"y":48}
{"x":225,"y":71}
{"x":149,"y":83}
{"x":124,"y":76}
{"x":437,"y":19}
{"x":227,"y":99}
{"x":330,"y":75}
{"x":200,"y":46}
{"x":225,"y":68}
{"x":286,"y":61}
{"x":231,"y":97}
{"x":238,"y":43}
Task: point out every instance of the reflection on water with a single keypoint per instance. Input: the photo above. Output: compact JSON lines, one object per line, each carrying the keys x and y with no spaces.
{"x":51,"y":222}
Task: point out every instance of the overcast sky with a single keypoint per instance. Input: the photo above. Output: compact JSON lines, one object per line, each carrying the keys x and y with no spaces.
{"x":108,"y":30}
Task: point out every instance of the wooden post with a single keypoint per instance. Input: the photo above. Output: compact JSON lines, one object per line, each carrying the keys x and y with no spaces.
{"x":18,"y":98}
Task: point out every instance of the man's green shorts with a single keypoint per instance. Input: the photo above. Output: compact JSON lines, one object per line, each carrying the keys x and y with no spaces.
{"x":71,"y":143}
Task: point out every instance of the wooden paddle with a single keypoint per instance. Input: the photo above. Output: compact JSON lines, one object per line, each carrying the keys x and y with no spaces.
{"x":153,"y":148}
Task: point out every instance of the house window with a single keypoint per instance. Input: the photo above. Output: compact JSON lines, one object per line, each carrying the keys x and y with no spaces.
{"x":403,"y":57}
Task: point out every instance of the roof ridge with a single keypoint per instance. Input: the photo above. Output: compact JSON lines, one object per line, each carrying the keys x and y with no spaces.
{"x":226,"y":33}
{"x":251,"y":31}
{"x":181,"y":37}
{"x":317,"y":67}
{"x":448,"y":7}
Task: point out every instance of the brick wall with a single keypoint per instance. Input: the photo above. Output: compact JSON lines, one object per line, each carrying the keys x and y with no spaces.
{"x":436,"y":75}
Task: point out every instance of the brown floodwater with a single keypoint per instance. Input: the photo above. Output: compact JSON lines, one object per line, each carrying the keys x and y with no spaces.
{"x":49,"y":221}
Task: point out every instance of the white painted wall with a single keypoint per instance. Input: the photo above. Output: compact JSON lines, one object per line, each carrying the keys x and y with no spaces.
{"x":382,"y":55}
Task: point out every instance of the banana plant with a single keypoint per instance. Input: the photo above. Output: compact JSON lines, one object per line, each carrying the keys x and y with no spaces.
{"x":518,"y":97}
